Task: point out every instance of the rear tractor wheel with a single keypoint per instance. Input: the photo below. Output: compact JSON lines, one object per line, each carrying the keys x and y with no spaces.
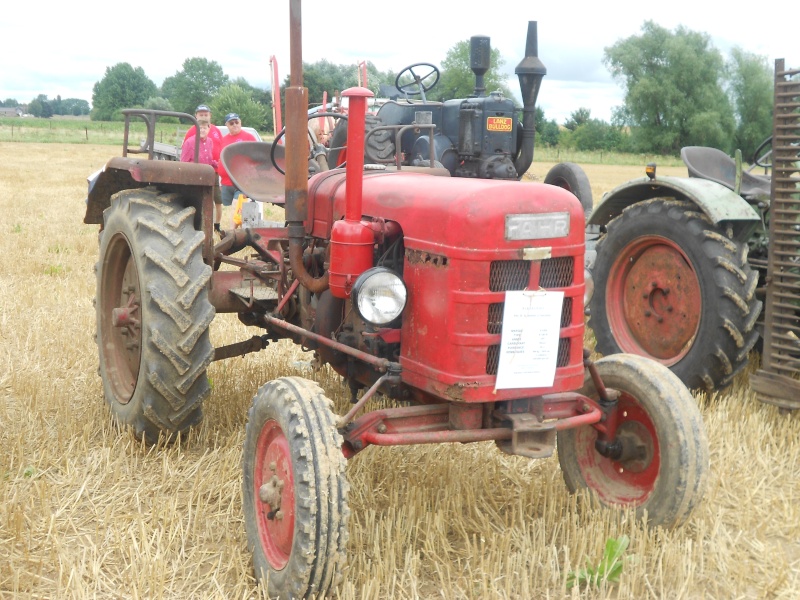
{"x":294,"y":490}
{"x":153,"y":314}
{"x":663,"y":460}
{"x":672,"y":286}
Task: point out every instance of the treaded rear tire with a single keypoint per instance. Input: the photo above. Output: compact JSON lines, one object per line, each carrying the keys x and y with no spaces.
{"x":706,"y":299}
{"x":153,"y":314}
{"x":378,"y":148}
{"x":572,"y":178}
{"x":292,"y":445}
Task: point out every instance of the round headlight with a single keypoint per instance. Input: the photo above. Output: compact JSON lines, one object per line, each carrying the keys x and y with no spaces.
{"x":379,"y":296}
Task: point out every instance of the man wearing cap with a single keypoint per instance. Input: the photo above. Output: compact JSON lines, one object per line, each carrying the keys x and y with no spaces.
{"x":203,"y":115}
{"x":235,"y":134}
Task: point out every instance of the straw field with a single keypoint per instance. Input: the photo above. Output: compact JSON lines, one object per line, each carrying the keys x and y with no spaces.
{"x":87,"y":512}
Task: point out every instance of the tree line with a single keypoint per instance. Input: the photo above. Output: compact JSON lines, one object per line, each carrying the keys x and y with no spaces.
{"x":43,"y":107}
{"x":200,"y":81}
{"x":678,"y":91}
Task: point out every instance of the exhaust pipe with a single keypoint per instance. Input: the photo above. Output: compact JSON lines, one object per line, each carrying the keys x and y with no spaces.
{"x":297,"y":155}
{"x":530,"y":71}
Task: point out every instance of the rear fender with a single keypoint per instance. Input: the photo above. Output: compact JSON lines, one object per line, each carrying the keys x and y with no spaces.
{"x":194,"y":182}
{"x":718,"y":202}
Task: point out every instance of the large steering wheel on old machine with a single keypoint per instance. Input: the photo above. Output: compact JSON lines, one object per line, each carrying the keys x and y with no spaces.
{"x":419,"y":84}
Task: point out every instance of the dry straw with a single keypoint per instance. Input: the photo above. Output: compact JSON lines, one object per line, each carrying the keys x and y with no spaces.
{"x":87,"y":512}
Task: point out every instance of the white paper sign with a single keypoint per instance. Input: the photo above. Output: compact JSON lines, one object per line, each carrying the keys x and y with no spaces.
{"x":529,"y":339}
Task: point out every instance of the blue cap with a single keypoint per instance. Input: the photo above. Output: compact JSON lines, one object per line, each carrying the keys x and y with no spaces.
{"x":231,"y":116}
{"x":202,"y":107}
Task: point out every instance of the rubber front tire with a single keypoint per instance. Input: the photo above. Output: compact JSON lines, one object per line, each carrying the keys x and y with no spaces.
{"x":666,"y":476}
{"x":153,"y":314}
{"x":672,"y":286}
{"x":572,"y":178}
{"x":294,"y":490}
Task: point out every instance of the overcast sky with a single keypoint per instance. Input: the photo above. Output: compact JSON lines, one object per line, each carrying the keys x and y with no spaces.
{"x":72,"y":44}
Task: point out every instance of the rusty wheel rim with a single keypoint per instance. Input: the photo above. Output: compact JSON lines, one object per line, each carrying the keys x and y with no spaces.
{"x":274,"y":494}
{"x":120,"y":318}
{"x":629,"y":481}
{"x":654,"y":300}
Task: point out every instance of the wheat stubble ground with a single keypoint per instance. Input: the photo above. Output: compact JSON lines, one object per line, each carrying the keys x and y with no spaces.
{"x":87,"y":512}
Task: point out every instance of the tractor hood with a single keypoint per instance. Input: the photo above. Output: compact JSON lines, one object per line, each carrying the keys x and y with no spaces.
{"x":444,"y":215}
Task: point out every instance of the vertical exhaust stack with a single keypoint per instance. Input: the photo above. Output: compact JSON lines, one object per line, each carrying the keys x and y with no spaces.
{"x":530,"y":71}
{"x":480,"y":59}
{"x":297,"y":155}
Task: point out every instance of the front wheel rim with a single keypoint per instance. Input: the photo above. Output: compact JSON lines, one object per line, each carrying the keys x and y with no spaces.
{"x":629,"y":481}
{"x":273,"y":489}
{"x":654,"y":300}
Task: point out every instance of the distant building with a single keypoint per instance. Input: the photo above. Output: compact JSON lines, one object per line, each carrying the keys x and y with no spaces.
{"x":11,"y":112}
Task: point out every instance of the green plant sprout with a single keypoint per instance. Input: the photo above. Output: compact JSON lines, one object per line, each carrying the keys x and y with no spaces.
{"x":609,"y":568}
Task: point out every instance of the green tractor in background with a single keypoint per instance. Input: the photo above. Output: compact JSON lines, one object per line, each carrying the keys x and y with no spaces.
{"x":693,"y":271}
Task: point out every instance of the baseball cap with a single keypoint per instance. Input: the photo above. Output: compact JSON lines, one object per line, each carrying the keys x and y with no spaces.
{"x":202,"y":107}
{"x":230,"y":116}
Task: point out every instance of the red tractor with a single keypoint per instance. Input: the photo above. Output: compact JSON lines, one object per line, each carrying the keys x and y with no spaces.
{"x":461,"y":299}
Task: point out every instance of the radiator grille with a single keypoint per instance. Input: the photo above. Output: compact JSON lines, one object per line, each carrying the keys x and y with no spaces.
{"x":557,"y":272}
{"x":509,"y":275}
{"x":514,"y":275}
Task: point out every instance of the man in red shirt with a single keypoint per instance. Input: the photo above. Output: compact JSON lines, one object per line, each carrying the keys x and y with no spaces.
{"x":235,"y":134}
{"x":203,"y":115}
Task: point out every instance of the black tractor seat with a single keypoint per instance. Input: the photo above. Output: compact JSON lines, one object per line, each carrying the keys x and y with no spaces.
{"x":715,"y":165}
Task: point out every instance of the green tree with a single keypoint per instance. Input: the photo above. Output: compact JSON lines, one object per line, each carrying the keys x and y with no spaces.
{"x":159,"y":103}
{"x":56,"y":105}
{"x":263,"y":97}
{"x":750,"y":87}
{"x":232,"y":98}
{"x":325,"y":76}
{"x":44,"y":108}
{"x":35,"y":107}
{"x":673,"y":90}
{"x":196,"y":83}
{"x":547,"y":132}
{"x":578,"y":118}
{"x":593,"y":134}
{"x":457,"y":79}
{"x":75,"y":106}
{"x":121,"y":87}
{"x":10,"y":103}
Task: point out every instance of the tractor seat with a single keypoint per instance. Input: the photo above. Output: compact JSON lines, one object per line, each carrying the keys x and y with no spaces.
{"x":715,"y":165}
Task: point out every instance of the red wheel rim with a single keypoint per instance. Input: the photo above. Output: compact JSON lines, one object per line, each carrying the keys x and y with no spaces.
{"x":653,"y":300}
{"x":630,"y":481}
{"x":275,"y":518}
{"x":120,"y":316}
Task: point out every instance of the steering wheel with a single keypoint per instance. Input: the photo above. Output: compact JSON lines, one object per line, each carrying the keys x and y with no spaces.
{"x":431,"y":71}
{"x":758,"y":157}
{"x":311,"y":138}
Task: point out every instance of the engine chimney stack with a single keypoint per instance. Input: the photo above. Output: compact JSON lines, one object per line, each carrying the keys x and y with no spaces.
{"x":480,"y":59}
{"x":530,"y":71}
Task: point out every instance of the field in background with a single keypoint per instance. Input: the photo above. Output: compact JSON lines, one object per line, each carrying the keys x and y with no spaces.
{"x":80,"y":130}
{"x":87,"y":512}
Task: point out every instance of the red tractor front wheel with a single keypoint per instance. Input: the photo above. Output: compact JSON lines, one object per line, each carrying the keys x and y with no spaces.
{"x":664,"y":456}
{"x":294,"y":490}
